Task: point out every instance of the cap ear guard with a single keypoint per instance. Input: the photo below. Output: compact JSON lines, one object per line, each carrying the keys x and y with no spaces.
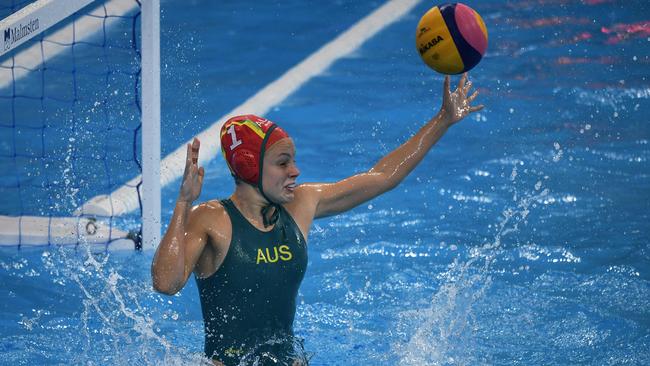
{"x":244,"y":165}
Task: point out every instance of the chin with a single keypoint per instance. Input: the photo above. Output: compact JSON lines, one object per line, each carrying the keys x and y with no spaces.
{"x":285,"y":198}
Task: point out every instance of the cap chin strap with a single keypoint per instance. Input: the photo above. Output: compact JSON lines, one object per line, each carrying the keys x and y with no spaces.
{"x":265,"y":210}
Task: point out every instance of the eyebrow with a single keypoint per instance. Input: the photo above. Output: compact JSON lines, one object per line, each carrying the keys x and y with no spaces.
{"x":284,"y":154}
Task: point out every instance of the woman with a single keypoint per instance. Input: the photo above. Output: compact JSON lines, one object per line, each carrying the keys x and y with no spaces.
{"x":248,"y":252}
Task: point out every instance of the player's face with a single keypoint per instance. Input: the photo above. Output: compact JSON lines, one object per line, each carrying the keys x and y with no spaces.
{"x":280,"y":171}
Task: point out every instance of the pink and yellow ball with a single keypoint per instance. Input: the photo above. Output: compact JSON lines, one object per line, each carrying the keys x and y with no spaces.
{"x":451,"y":38}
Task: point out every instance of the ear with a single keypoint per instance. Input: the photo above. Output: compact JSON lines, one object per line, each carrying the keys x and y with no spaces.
{"x":245,"y":165}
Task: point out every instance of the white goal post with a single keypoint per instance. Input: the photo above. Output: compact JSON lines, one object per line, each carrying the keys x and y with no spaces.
{"x":31,"y":22}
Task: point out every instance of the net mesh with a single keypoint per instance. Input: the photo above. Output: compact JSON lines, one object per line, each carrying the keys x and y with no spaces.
{"x":70,"y":116}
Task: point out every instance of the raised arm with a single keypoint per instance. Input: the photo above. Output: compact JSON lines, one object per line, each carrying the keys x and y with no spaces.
{"x":185,"y":238}
{"x":334,"y":198}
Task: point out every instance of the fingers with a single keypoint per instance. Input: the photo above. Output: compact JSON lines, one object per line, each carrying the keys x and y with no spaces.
{"x":196,"y":144}
{"x":477,"y":108}
{"x":472,"y":97}
{"x":461,"y":83}
{"x":467,"y":87}
{"x":192,"y":153}
{"x":188,"y":158}
{"x":201,"y":175}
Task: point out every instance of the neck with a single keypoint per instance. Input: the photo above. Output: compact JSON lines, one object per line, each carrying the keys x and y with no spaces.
{"x":250,"y":203}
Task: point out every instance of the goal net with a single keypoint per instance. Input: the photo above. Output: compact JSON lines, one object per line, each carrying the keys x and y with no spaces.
{"x":71,"y":124}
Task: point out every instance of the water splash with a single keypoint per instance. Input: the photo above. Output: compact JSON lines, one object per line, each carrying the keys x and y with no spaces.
{"x":444,"y":332}
{"x":116,"y":323}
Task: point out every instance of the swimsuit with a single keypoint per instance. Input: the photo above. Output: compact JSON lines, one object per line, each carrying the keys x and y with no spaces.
{"x":249,"y":303}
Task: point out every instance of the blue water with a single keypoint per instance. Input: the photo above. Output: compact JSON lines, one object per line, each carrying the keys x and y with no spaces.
{"x":522,"y":238}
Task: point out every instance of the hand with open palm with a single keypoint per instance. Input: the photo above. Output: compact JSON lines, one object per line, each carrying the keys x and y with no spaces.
{"x":193,"y":175}
{"x":456,"y":104}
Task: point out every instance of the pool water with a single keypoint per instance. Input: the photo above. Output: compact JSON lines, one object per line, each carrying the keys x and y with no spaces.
{"x":522,"y":238}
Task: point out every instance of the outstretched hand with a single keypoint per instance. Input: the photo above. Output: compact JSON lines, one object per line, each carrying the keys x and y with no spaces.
{"x":456,"y":104}
{"x":193,"y":175}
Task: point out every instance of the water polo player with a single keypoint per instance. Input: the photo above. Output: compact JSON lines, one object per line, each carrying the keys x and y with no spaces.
{"x":249,"y":252}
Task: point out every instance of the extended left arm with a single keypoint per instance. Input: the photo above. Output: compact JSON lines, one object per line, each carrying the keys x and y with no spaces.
{"x":346,"y":194}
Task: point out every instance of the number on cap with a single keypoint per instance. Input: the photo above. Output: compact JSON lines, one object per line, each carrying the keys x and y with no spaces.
{"x":232,"y":133}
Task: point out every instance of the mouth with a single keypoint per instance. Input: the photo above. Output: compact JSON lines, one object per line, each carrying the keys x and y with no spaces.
{"x":290,"y":187}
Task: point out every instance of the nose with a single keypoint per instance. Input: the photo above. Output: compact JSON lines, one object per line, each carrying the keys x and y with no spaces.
{"x":294,"y":171}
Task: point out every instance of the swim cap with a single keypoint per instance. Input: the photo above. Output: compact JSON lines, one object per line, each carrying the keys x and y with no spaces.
{"x":242,"y":138}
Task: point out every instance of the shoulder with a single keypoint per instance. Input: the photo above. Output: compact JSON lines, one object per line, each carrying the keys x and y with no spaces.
{"x":210,"y":218}
{"x":207,"y":210}
{"x":310,"y":195}
{"x":211,"y":207}
{"x":305,"y":195}
{"x":209,"y":223}
{"x":303,"y":206}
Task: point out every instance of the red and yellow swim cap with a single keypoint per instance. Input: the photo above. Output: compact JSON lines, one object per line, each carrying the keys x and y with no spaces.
{"x":242,"y":138}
